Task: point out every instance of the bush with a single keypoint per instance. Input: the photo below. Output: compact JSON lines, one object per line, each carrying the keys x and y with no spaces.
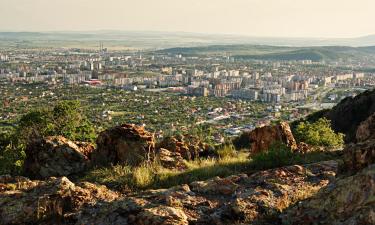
{"x":11,"y":155}
{"x":319,"y":133}
{"x":64,"y":119}
{"x":277,"y":155}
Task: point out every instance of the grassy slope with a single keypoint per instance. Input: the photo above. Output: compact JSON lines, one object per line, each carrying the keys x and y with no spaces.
{"x":124,"y":178}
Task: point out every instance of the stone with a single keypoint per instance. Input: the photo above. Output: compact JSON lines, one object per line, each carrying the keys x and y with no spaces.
{"x":360,"y":155}
{"x":238,"y":199}
{"x":347,"y":201}
{"x":188,"y":146}
{"x":126,"y":144}
{"x":217,"y":185}
{"x":56,"y":156}
{"x":304,"y":148}
{"x":262,"y":138}
{"x":30,"y":202}
{"x":262,"y":196}
{"x":171,"y":160}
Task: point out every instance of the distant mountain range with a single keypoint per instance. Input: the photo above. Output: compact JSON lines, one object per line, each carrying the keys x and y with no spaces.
{"x":161,"y":40}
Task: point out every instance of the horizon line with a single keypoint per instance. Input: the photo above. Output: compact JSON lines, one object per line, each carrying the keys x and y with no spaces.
{"x":183,"y":32}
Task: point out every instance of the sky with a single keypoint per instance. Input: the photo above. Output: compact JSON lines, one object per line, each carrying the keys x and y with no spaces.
{"x":262,"y":18}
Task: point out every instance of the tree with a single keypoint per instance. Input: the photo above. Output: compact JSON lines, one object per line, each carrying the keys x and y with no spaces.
{"x":319,"y":133}
{"x":65,"y":119}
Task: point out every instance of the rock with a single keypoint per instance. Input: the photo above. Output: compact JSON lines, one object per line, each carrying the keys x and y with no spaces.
{"x":56,"y":156}
{"x":303,"y":148}
{"x":360,"y":155}
{"x":347,"y":115}
{"x":125,"y":144}
{"x":239,"y":199}
{"x":132,"y":211}
{"x":30,"y":202}
{"x":347,"y":201}
{"x":217,"y":185}
{"x":262,"y":138}
{"x":171,"y":160}
{"x":366,"y":129}
{"x":263,"y":195}
{"x":188,"y":147}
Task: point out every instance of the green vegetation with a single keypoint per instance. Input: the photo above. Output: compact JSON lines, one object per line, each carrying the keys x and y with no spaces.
{"x":64,"y":119}
{"x":264,"y":52}
{"x":277,"y":155}
{"x":319,"y":133}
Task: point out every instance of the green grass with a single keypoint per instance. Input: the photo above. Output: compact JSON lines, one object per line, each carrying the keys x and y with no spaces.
{"x":153,"y":176}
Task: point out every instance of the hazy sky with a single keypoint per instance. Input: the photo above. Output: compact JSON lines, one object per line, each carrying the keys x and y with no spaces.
{"x":281,"y":18}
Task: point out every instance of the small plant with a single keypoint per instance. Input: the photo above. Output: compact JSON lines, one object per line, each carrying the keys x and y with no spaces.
{"x":226,"y":151}
{"x":143,"y":176}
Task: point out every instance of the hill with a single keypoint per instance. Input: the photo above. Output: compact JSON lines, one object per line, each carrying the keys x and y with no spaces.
{"x":264,"y":52}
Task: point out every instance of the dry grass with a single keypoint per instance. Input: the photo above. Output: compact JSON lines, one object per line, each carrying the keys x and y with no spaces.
{"x":154,"y":176}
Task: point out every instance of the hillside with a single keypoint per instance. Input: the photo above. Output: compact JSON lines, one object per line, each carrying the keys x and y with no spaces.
{"x":129,"y":177}
{"x":161,"y":40}
{"x":263,"y":52}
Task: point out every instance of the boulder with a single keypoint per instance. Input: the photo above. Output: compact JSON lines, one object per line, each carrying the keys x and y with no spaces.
{"x":360,"y":155}
{"x":56,"y":156}
{"x":189,"y":147}
{"x":23,"y":201}
{"x":126,"y":144}
{"x":262,"y":138}
{"x":171,"y":160}
{"x":132,"y":211}
{"x":347,"y":201}
{"x":304,"y":148}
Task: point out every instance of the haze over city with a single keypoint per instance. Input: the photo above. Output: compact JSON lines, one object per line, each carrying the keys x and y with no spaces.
{"x":271,"y":18}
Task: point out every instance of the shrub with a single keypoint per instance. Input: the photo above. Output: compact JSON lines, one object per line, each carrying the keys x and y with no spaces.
{"x":319,"y":133}
{"x":64,"y":119}
{"x":11,"y":160}
{"x":277,"y":155}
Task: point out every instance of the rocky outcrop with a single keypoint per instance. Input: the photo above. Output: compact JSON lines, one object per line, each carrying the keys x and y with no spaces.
{"x":348,"y":114}
{"x":23,"y":201}
{"x":171,"y":160}
{"x":255,"y":199}
{"x":366,"y":130}
{"x":236,"y":199}
{"x":126,"y":144}
{"x":262,"y":138}
{"x":347,"y":201}
{"x":360,"y":155}
{"x":56,"y":156}
{"x":188,"y":147}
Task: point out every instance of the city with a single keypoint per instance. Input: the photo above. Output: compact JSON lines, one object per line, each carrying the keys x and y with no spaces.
{"x":187,"y":112}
